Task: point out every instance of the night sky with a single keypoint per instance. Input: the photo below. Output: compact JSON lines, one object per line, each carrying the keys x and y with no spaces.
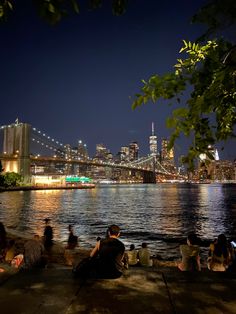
{"x":74,"y":80}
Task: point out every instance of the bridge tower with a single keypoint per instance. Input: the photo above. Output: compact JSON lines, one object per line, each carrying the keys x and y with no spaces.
{"x":16,"y":144}
{"x":150,"y":176}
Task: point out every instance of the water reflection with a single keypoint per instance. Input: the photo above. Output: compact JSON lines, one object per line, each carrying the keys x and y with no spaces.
{"x":161,"y":215}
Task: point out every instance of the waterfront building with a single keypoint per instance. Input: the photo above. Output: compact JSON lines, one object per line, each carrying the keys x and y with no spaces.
{"x":153,"y":142}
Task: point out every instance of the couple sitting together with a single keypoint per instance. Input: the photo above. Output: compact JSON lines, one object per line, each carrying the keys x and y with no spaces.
{"x":220,"y":255}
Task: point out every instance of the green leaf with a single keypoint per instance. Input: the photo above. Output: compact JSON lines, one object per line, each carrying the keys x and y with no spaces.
{"x":75,"y":6}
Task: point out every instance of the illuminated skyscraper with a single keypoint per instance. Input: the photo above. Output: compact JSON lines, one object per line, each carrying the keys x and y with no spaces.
{"x":133,"y":151}
{"x":82,"y":151}
{"x":214,"y":153}
{"x":166,"y":155}
{"x":153,"y":142}
{"x":101,"y":152}
{"x":124,"y":153}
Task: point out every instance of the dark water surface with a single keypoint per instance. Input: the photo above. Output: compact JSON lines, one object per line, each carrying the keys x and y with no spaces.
{"x":160,"y":215}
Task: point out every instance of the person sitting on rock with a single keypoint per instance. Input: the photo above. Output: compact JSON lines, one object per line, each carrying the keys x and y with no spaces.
{"x":33,"y":253}
{"x":3,"y":242}
{"x":72,"y":241}
{"x":144,"y":256}
{"x":48,"y":235}
{"x":219,"y":254}
{"x":132,"y":256}
{"x":190,"y":254}
{"x":109,"y":254}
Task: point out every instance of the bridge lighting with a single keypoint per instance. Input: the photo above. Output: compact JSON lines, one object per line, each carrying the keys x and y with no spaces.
{"x":44,"y":134}
{"x":53,"y":139}
{"x":39,"y":131}
{"x":34,"y":129}
{"x":48,"y":137}
{"x":37,"y":141}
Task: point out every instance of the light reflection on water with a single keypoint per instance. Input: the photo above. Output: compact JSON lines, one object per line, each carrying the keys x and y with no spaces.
{"x":161,"y":215}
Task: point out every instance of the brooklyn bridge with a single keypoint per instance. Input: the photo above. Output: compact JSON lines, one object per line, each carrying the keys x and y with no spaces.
{"x":50,"y":158}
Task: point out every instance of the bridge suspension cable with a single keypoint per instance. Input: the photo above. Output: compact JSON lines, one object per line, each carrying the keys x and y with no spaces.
{"x":47,"y":141}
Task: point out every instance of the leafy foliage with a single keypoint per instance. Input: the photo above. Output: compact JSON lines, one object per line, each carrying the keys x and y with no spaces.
{"x":10,"y":179}
{"x":5,"y":7}
{"x":54,"y":10}
{"x":218,"y":15}
{"x":209,"y":115}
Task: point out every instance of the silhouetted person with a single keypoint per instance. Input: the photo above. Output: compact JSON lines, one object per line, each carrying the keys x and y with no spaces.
{"x":110,"y":253}
{"x":219,"y":254}
{"x":72,"y":241}
{"x":3,"y":241}
{"x":48,"y":235}
{"x":33,"y":253}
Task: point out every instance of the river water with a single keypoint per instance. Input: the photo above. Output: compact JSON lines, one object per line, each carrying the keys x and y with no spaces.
{"x":160,"y":214}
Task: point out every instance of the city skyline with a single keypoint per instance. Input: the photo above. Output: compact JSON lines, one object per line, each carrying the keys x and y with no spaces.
{"x":76,"y":80}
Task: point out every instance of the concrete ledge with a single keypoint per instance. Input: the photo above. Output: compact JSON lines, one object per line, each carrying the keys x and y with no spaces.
{"x":139,"y":290}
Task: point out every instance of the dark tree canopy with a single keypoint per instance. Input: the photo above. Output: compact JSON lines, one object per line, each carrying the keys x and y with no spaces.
{"x":53,"y":11}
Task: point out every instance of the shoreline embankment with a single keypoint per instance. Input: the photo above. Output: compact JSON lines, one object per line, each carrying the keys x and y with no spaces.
{"x":34,"y":188}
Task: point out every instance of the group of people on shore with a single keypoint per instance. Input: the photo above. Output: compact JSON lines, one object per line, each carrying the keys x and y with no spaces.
{"x":109,"y":258}
{"x":33,"y":252}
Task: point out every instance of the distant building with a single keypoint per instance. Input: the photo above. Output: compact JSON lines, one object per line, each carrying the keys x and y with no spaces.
{"x":153,"y":142}
{"x":82,"y":151}
{"x":222,"y":170}
{"x":123,"y":154}
{"x":102,"y":153}
{"x":167,"y":156}
{"x":133,"y":151}
{"x":213,"y":154}
{"x":68,"y":151}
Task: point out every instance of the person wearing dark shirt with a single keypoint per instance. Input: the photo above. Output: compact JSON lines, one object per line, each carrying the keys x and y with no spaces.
{"x":3,"y":241}
{"x":107,"y":255}
{"x":48,"y":235}
{"x":72,"y":239}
